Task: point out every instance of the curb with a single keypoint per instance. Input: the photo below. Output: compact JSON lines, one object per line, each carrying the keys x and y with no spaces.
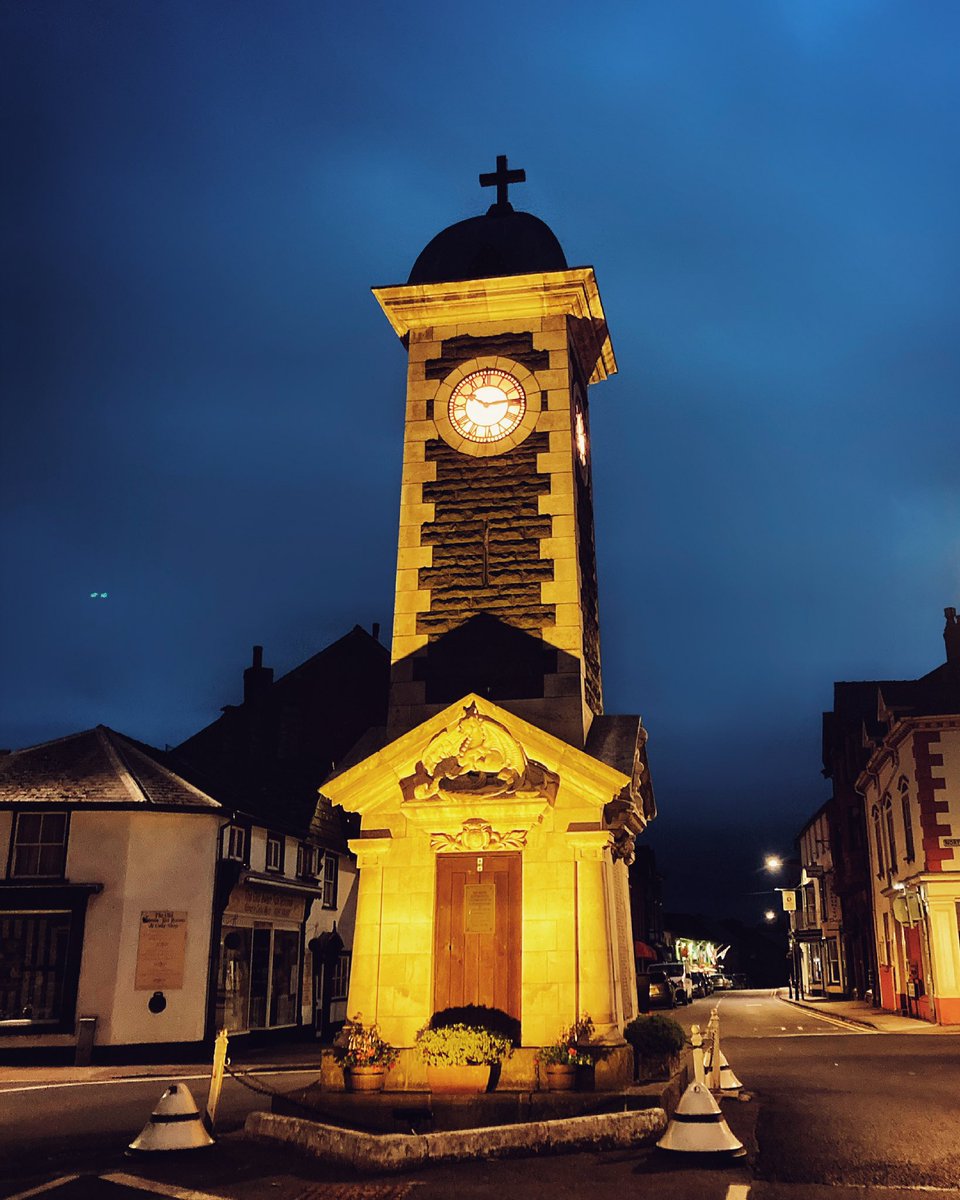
{"x":390,"y":1152}
{"x":842,"y":1019}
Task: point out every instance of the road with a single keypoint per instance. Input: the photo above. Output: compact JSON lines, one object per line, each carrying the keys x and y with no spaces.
{"x":834,"y":1113}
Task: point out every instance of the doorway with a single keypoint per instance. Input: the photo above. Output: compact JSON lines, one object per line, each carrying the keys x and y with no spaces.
{"x":477,"y":942}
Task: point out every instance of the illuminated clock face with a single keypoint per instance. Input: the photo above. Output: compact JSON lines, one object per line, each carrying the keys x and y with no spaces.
{"x":487,"y":405}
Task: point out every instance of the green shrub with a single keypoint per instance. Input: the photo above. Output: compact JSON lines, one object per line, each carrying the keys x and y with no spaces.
{"x":478,"y":1016}
{"x":462,"y":1045}
{"x":655,"y":1036}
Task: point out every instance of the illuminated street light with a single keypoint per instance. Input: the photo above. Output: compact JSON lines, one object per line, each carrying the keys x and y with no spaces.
{"x":773,"y":862}
{"x":769,"y":915}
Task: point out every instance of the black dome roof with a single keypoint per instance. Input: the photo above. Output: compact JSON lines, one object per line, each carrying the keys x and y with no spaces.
{"x":502,"y":242}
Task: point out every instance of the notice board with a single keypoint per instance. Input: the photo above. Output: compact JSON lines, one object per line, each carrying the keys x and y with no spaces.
{"x":161,"y":951}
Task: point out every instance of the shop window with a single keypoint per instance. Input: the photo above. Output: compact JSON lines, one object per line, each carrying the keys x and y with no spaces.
{"x":235,"y":841}
{"x":274,"y":852}
{"x":339,"y":987}
{"x":32,"y":978}
{"x":909,"y":851}
{"x":39,"y":845}
{"x":258,"y":979}
{"x":285,"y":977}
{"x":331,"y":871}
{"x":833,"y":961}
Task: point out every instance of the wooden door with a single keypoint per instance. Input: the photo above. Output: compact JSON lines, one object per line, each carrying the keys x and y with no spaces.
{"x":477,"y":931}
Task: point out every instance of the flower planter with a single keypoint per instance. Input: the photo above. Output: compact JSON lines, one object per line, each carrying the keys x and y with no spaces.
{"x":465,"y":1080}
{"x":560,"y":1077}
{"x":364,"y":1079}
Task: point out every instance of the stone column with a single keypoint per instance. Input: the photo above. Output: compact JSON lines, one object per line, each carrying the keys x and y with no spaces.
{"x":364,"y":995}
{"x":594,"y":952}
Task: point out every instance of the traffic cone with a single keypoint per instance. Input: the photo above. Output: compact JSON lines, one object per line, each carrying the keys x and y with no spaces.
{"x":698,"y":1127}
{"x":175,"y":1124}
{"x":728,"y":1081}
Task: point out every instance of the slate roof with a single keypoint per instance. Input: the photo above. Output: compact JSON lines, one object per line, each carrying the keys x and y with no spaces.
{"x":98,"y":768}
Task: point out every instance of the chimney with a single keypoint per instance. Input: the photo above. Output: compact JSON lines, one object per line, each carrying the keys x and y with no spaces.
{"x":257,"y":679}
{"x":376,"y":631}
{"x":951,"y":636}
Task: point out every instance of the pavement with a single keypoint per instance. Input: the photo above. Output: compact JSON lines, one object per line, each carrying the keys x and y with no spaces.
{"x":862,"y":1013}
{"x":265,"y":1060}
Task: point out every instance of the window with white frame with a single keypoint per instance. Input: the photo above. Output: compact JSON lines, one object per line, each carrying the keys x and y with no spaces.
{"x":909,"y":851}
{"x":39,"y":845}
{"x":235,"y":843}
{"x":306,"y":861}
{"x":274,"y":861}
{"x":331,"y":871}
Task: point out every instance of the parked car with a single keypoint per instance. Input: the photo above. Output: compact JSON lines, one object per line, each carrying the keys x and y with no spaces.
{"x":680,"y":981}
{"x":700,"y":983}
{"x":660,"y":988}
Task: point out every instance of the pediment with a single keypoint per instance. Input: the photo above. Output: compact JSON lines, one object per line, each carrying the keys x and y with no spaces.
{"x":475,"y":760}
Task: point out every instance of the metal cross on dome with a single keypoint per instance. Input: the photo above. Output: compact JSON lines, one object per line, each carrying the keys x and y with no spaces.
{"x":501,"y":179}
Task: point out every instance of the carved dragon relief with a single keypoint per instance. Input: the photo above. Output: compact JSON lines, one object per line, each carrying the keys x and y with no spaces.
{"x":479,"y":758}
{"x":477,"y":835}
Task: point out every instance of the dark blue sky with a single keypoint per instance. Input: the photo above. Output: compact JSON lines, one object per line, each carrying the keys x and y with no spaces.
{"x":203,"y":403}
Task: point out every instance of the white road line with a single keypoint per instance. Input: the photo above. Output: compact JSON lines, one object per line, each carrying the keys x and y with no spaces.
{"x":159,"y":1189}
{"x":44,"y":1187}
{"x":738,"y":1191}
{"x":167,"y":1079}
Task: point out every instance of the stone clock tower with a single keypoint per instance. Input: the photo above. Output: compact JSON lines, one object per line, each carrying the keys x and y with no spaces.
{"x":496,"y":571}
{"x":500,"y":806}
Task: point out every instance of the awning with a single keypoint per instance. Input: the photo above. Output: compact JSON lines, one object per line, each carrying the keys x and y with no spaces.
{"x":279,"y":884}
{"x":642,"y":950}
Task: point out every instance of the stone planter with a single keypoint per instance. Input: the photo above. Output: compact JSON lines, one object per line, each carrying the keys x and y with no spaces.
{"x":364,"y":1079}
{"x":656,"y":1066}
{"x":560,"y":1077}
{"x":465,"y":1080}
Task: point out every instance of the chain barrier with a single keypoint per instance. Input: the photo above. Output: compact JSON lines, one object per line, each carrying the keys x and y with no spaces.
{"x":263,"y":1089}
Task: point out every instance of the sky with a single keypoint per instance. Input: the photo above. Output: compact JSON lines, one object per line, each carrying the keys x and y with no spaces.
{"x":203,"y":404}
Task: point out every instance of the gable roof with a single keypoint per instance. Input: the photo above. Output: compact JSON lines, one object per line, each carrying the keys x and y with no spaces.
{"x":97,"y":768}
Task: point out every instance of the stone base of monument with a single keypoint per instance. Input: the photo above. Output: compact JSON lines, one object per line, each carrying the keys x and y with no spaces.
{"x":397,"y":1130}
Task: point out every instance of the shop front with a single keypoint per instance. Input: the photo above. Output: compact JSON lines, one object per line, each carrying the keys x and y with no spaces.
{"x":260,"y":967}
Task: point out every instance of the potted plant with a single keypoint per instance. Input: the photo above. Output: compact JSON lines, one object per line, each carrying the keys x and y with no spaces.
{"x":657,"y":1042}
{"x":364,"y":1056}
{"x":465,"y":1055}
{"x":561,"y":1058}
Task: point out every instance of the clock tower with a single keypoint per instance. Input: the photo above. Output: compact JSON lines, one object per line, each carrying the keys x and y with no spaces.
{"x":496,"y":589}
{"x":500,"y":806}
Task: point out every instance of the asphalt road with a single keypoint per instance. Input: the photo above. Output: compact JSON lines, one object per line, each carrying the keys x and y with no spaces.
{"x":834,"y":1113}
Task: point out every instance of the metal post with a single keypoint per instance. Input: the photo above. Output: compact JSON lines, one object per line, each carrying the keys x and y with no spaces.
{"x":216,"y":1079}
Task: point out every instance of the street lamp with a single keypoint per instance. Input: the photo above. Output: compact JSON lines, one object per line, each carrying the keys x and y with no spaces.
{"x":770,"y":916}
{"x":773,"y":863}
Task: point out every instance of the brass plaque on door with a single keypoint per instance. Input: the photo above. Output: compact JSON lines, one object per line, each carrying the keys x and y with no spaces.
{"x":480,"y":908}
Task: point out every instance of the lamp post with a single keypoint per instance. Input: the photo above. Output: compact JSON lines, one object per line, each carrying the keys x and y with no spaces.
{"x":774,"y":863}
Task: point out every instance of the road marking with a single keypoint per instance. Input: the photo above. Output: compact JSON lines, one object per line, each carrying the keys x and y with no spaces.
{"x":738,"y":1191}
{"x":44,"y":1187}
{"x":159,"y":1189}
{"x":72,"y":1083}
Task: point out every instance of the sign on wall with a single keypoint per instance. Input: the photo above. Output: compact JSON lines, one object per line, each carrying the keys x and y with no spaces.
{"x":480,"y":908}
{"x":161,"y":951}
